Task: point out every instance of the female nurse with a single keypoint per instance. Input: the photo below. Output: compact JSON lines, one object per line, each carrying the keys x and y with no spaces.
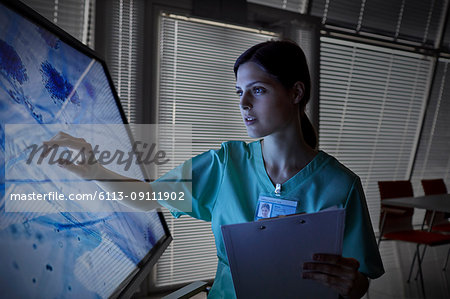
{"x":273,"y":85}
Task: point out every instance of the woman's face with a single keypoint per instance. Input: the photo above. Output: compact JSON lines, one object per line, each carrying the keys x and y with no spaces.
{"x":267,"y":107}
{"x":264,"y":212}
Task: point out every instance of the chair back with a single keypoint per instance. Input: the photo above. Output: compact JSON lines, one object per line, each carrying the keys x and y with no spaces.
{"x":400,"y":220}
{"x":433,"y":187}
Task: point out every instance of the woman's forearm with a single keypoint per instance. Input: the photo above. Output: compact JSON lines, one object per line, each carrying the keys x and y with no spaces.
{"x":90,"y":169}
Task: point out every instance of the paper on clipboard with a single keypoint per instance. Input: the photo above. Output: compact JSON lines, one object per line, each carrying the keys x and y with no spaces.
{"x":266,"y":257}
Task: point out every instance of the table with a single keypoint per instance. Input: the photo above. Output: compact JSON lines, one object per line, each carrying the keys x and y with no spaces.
{"x":435,"y":203}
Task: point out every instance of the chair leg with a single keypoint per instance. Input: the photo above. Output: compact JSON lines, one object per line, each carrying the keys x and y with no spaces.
{"x":446,"y":260}
{"x":381,"y":229}
{"x":420,"y":270}
{"x":412,"y":264}
{"x":423,"y":254}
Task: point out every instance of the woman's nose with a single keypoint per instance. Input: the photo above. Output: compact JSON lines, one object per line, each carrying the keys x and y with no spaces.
{"x":245,"y":102}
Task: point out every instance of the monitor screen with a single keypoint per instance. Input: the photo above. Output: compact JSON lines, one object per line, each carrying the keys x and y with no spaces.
{"x":48,"y":78}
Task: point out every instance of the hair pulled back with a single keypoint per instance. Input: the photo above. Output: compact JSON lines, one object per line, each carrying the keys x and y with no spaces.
{"x":285,"y":61}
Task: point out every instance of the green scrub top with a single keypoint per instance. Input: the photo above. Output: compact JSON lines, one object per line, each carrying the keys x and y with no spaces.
{"x":227,"y":182}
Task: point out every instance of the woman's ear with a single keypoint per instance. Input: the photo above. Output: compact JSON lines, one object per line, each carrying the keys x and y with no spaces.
{"x":299,"y":92}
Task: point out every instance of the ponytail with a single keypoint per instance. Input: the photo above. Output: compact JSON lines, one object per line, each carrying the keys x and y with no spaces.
{"x":308,"y":131}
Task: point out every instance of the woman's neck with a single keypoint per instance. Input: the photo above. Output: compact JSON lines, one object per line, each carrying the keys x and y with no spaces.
{"x":285,"y":154}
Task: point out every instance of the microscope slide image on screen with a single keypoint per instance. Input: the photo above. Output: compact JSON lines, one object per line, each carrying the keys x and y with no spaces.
{"x":46,"y":82}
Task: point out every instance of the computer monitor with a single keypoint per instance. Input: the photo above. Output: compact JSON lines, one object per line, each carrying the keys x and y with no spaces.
{"x":49,"y":77}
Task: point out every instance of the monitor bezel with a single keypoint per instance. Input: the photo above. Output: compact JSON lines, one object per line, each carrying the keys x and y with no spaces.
{"x":131,"y":284}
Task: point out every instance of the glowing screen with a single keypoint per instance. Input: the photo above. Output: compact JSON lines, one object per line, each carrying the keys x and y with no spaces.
{"x":44,"y":80}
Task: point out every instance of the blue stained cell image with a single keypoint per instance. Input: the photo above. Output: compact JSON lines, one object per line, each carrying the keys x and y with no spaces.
{"x":11,"y":64}
{"x":57,"y":85}
{"x":55,"y":253}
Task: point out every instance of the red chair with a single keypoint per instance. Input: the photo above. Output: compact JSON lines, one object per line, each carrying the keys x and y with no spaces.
{"x":440,"y":222}
{"x":433,"y":187}
{"x":396,"y":223}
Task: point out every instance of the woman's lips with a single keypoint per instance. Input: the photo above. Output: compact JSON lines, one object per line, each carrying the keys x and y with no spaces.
{"x":249,"y":120}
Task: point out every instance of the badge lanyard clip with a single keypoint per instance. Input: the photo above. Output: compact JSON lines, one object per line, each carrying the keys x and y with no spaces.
{"x":278,"y":189}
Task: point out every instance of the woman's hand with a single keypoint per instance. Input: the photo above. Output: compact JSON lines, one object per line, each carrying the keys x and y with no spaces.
{"x":82,"y":161}
{"x":84,"y":164}
{"x":338,"y":273}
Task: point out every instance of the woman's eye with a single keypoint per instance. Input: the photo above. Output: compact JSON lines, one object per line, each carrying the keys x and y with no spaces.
{"x":258,"y":90}
{"x":239,"y":92}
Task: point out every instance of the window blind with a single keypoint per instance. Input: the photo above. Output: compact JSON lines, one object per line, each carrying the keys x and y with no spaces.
{"x":371,"y":109}
{"x":445,"y":47}
{"x":299,"y":6}
{"x":433,"y":159}
{"x":411,"y":20}
{"x":126,"y":55}
{"x":343,"y":12}
{"x":74,"y":16}
{"x":197,"y":89}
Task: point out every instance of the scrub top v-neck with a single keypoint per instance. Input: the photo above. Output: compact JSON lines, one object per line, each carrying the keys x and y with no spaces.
{"x":227,"y":182}
{"x":292,"y":181}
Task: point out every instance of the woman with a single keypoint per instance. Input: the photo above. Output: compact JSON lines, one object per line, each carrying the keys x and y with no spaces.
{"x":265,"y":210}
{"x":273,"y":84}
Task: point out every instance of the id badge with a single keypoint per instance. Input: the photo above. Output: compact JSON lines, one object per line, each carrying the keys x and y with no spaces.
{"x":269,"y":207}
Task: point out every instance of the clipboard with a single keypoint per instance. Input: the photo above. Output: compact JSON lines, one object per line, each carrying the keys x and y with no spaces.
{"x":266,"y":257}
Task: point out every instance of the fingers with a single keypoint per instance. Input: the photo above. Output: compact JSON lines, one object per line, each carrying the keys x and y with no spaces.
{"x":333,"y":265}
{"x":62,"y":134}
{"x":78,"y":159}
{"x":350,"y":263}
{"x":66,"y":140}
{"x":342,"y":286}
{"x":333,"y":271}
